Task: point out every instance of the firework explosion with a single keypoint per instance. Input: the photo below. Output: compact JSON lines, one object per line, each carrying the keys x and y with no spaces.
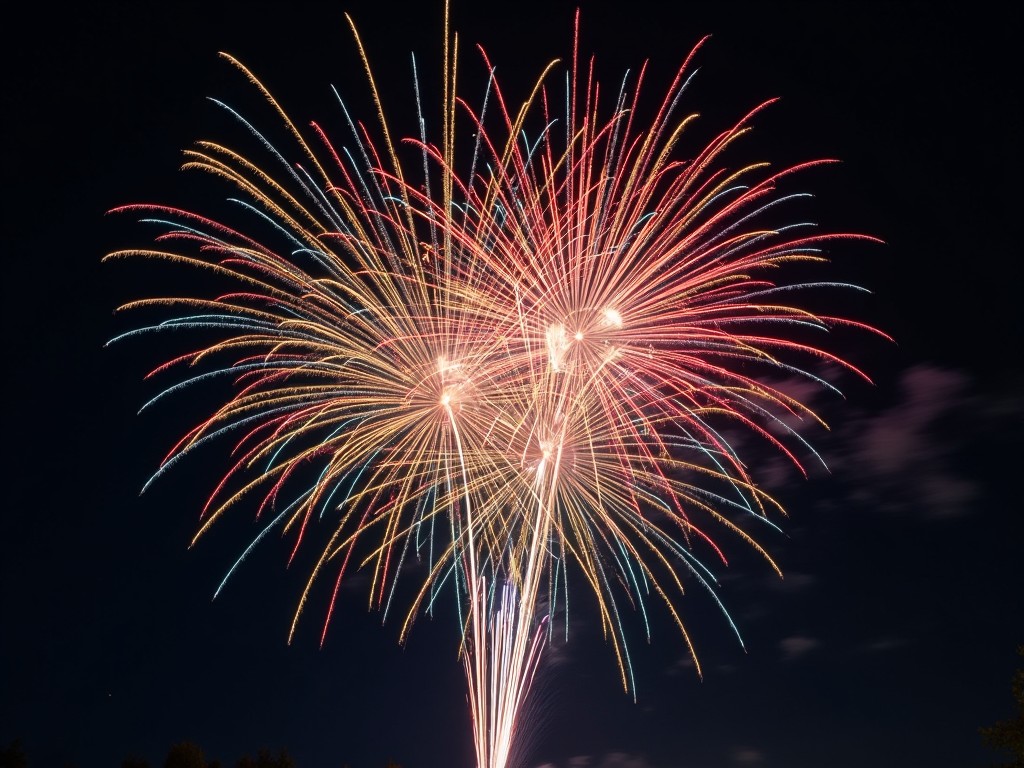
{"x":512,"y":362}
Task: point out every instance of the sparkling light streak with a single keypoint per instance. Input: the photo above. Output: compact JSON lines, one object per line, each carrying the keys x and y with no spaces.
{"x":513,"y":362}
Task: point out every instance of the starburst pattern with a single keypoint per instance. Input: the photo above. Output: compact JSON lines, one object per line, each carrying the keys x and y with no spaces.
{"x":517,"y":366}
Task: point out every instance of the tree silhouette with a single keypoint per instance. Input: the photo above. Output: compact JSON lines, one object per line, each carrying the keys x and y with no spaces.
{"x":1008,"y":735}
{"x":133,"y":761}
{"x":264,"y":759}
{"x":185,"y":754}
{"x":13,"y":756}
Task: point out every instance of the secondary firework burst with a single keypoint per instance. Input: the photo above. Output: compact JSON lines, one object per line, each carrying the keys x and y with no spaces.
{"x":515,"y":361}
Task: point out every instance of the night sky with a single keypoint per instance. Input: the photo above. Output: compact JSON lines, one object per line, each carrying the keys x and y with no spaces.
{"x":891,"y":639}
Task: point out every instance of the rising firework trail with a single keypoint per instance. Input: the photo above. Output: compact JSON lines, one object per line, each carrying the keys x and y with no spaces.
{"x":506,"y":371}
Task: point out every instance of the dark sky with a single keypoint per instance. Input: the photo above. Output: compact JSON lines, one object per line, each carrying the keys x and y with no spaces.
{"x":893,"y":636}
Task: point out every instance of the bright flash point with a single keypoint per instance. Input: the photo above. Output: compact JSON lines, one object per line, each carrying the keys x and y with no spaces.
{"x":613,"y":318}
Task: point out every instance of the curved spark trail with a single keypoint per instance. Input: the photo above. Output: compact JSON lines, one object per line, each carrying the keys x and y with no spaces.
{"x":515,"y":362}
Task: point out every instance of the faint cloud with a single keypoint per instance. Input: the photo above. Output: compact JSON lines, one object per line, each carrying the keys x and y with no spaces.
{"x":622,"y":760}
{"x":685,"y":666}
{"x":884,"y":645}
{"x":793,"y":582}
{"x":556,"y":653}
{"x":905,"y":456}
{"x":804,"y":391}
{"x":893,"y":441}
{"x":682,"y":665}
{"x":797,"y":646}
{"x":562,"y":627}
{"x":610,"y":760}
{"x":916,"y":454}
{"x":747,"y":756}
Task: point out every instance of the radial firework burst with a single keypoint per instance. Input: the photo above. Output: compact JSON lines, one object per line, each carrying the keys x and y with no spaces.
{"x":515,"y":361}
